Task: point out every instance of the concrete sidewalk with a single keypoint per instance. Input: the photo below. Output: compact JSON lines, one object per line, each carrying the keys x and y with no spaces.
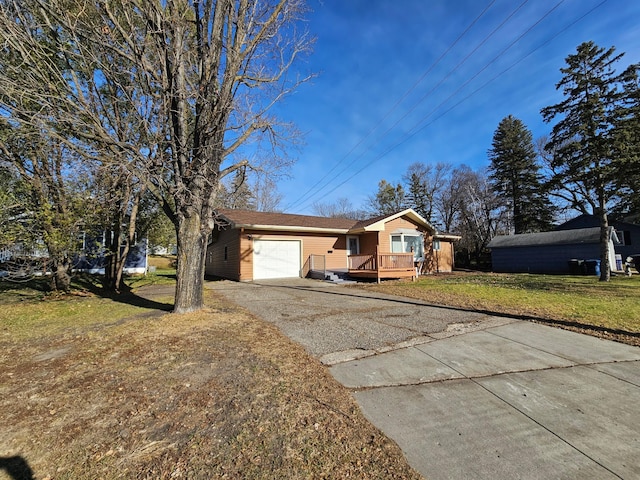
{"x":467,"y":395}
{"x":517,"y":401}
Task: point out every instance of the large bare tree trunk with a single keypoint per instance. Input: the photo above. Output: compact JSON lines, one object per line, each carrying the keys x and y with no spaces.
{"x":192,"y":249}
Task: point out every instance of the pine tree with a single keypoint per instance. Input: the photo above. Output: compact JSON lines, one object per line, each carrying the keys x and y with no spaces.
{"x":516,"y":179}
{"x":417,"y":196}
{"x":239,"y":195}
{"x":583,"y":140}
{"x":627,"y":143}
{"x":388,"y":199}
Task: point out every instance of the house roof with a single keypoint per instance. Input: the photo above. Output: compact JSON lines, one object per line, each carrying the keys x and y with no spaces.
{"x":307,"y":223}
{"x":587,"y":221}
{"x":284,"y":221}
{"x":376,"y":224}
{"x":560,"y":237}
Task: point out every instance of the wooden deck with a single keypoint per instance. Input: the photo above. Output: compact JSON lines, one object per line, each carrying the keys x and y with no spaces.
{"x":382,"y":265}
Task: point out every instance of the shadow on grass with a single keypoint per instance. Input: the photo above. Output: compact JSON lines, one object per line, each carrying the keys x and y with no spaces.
{"x":91,"y":283}
{"x":40,"y":287}
{"x":130,"y":298}
{"x":16,"y":467}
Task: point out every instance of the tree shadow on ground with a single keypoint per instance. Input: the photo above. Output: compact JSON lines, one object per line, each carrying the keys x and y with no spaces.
{"x":130,"y":298}
{"x":16,"y":467}
{"x":90,"y":283}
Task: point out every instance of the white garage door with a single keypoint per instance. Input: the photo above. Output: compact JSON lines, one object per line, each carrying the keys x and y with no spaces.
{"x":276,"y":259}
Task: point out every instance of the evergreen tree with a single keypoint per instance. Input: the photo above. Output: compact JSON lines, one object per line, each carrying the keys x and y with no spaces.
{"x":583,"y":140}
{"x":239,"y":194}
{"x":516,"y":179}
{"x":417,"y":195}
{"x":627,"y":143}
{"x":388,"y":199}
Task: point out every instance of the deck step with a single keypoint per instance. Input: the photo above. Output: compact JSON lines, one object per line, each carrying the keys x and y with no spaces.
{"x":338,"y":277}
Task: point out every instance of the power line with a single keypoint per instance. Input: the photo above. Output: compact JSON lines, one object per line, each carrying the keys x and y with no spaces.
{"x":493,"y":60}
{"x":415,"y":131}
{"x":392,"y":109}
{"x":386,"y":132}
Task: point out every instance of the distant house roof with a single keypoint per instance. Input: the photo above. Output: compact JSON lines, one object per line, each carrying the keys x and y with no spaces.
{"x":559,"y":237}
{"x":587,"y":221}
{"x":581,"y":221}
{"x":309,"y":223}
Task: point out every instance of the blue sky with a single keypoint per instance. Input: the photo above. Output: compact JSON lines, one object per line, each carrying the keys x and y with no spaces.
{"x":393,"y":87}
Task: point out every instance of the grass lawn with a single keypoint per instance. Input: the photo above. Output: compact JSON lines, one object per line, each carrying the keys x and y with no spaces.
{"x":111,"y":388}
{"x":578,"y":301}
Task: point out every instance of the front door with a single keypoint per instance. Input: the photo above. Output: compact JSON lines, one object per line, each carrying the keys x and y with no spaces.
{"x":353,"y":245}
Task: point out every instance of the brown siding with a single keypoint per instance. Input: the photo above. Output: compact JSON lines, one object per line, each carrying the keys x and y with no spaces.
{"x":216,"y":265}
{"x":332,"y":247}
{"x":368,"y":242}
{"x":445,"y":263}
{"x":398,"y":223}
{"x":246,"y":257}
{"x":439,"y":260}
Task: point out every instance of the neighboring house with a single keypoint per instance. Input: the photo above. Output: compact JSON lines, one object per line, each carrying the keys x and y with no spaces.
{"x":548,"y":252}
{"x":89,"y":258}
{"x":247,"y":245}
{"x":628,"y":233}
{"x":92,"y":260}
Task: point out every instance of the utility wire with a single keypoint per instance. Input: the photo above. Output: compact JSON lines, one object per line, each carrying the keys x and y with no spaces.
{"x":416,"y":131}
{"x":546,"y":42}
{"x":392,"y":109}
{"x":451,"y":72}
{"x":491,"y":62}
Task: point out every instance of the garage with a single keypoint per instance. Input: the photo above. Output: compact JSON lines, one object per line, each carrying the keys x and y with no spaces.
{"x":276,"y":259}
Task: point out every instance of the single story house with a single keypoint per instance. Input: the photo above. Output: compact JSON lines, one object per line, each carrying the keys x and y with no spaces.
{"x":548,"y":252}
{"x":248,"y":245}
{"x":628,"y":233}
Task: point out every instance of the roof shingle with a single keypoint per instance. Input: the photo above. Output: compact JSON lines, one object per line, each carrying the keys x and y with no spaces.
{"x":561,"y":237}
{"x":251,"y":218}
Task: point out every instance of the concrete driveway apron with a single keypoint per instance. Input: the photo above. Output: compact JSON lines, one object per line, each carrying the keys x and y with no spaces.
{"x":464,"y":394}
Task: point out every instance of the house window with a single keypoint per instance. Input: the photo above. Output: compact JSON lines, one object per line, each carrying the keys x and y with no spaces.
{"x":407,"y":243}
{"x":624,"y":236}
{"x":436,"y":244}
{"x":226,"y":253}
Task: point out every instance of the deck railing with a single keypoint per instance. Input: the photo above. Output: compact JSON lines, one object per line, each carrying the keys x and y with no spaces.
{"x":394,"y":261}
{"x":381,"y":261}
{"x":362,"y":262}
{"x":315,"y":267}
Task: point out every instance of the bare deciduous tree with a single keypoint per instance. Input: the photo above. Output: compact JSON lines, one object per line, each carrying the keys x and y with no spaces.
{"x":341,"y":208}
{"x":423,"y":183}
{"x":480,"y":217}
{"x":195,"y":81}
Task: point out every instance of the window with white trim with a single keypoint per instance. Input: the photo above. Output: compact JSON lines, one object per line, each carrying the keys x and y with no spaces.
{"x":408,"y":243}
{"x":436,"y":244}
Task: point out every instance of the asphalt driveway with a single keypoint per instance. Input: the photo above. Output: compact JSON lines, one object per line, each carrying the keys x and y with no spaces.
{"x":464,"y":394}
